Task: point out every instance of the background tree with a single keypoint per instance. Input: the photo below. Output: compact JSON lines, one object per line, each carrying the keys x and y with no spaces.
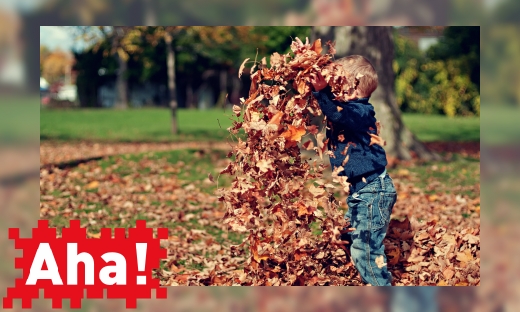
{"x":56,"y":65}
{"x":443,"y":80}
{"x":376,"y":44}
{"x":44,"y":53}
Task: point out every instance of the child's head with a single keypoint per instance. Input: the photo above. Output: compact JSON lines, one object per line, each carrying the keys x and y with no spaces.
{"x":358,"y":65}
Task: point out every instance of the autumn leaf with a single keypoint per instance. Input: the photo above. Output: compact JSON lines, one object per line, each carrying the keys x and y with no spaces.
{"x":92,"y":185}
{"x":242,"y":66}
{"x":236,"y":109}
{"x":309,"y":145}
{"x":465,"y":256}
{"x":312,"y":129}
{"x":380,"y":262}
{"x":375,"y":139}
{"x":316,"y":46}
{"x":276,"y":119}
{"x":316,"y":191}
{"x":276,"y":59}
{"x":448,"y":273}
{"x":93,"y":235}
{"x":264,"y":165}
{"x":294,"y":133}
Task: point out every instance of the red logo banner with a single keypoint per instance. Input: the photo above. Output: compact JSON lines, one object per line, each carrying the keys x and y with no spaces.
{"x":65,"y":267}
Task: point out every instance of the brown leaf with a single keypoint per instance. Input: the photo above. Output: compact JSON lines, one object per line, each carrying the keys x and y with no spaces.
{"x":448,"y":273}
{"x":309,"y":145}
{"x":374,"y":139}
{"x":465,"y":256}
{"x":276,"y":119}
{"x":242,"y":66}
{"x":316,"y":46}
{"x":236,"y":109}
{"x":276,"y":59}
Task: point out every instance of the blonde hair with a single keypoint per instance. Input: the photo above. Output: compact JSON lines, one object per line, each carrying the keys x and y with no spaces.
{"x":359,"y":65}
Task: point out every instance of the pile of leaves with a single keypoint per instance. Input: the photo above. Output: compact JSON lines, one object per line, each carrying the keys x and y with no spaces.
{"x":273,"y":197}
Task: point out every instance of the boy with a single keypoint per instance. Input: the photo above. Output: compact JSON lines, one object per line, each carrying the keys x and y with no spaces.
{"x":372,"y":193}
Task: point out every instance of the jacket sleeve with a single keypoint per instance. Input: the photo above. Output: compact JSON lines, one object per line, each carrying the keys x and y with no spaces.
{"x":355,"y":116}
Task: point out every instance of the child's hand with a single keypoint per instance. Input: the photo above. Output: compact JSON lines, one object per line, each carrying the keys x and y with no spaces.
{"x":318,"y":82}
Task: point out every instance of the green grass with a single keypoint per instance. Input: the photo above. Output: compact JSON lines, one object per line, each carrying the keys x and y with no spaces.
{"x":429,"y":128}
{"x":458,"y":175}
{"x":500,"y":124}
{"x":153,"y":124}
{"x":133,"y":125}
{"x":19,"y":119}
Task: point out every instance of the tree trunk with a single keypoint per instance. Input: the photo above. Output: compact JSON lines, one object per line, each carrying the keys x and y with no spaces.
{"x":171,"y":81}
{"x":150,"y":13}
{"x":190,"y":98}
{"x":121,"y":84}
{"x":223,"y":89}
{"x":376,"y":44}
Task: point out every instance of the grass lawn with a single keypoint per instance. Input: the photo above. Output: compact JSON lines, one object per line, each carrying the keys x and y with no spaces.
{"x":19,"y":119}
{"x":154,"y":125}
{"x":500,"y":124}
{"x":133,"y":125}
{"x":431,"y":128}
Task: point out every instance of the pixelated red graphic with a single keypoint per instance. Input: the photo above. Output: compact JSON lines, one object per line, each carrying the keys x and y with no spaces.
{"x":122,"y":265}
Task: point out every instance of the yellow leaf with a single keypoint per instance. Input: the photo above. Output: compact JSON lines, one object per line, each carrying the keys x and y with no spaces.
{"x":92,"y":185}
{"x":294,"y":133}
{"x":93,"y":235}
{"x":465,"y":256}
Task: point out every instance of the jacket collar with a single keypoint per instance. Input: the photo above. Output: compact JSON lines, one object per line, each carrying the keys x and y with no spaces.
{"x":360,"y":100}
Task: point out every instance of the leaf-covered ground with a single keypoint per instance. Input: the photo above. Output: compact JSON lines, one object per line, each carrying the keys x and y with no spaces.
{"x":433,"y":240}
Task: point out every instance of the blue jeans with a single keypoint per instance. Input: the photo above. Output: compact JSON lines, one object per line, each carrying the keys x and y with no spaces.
{"x":369,"y":212}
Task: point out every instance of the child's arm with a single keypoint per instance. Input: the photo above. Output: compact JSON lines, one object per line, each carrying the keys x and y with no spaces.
{"x":354,"y":116}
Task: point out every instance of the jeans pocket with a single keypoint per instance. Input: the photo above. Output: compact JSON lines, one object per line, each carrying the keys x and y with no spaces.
{"x":358,"y":210}
{"x":382,"y":211}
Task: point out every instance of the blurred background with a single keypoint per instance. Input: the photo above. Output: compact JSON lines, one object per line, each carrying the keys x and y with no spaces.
{"x":21,"y":101}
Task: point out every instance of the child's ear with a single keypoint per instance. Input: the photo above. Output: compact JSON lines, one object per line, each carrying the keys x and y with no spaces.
{"x":354,"y":95}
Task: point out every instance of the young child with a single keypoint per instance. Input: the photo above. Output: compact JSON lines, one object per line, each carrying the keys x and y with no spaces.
{"x":372,"y":193}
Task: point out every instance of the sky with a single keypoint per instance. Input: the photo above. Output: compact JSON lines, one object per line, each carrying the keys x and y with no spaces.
{"x":21,"y":5}
{"x":58,"y":37}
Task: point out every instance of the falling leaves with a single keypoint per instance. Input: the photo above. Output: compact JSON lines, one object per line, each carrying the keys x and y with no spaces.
{"x":278,"y":220}
{"x":272,"y":196}
{"x":375,"y":139}
{"x":294,"y":133}
{"x":242,"y":66}
{"x":236,"y":110}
